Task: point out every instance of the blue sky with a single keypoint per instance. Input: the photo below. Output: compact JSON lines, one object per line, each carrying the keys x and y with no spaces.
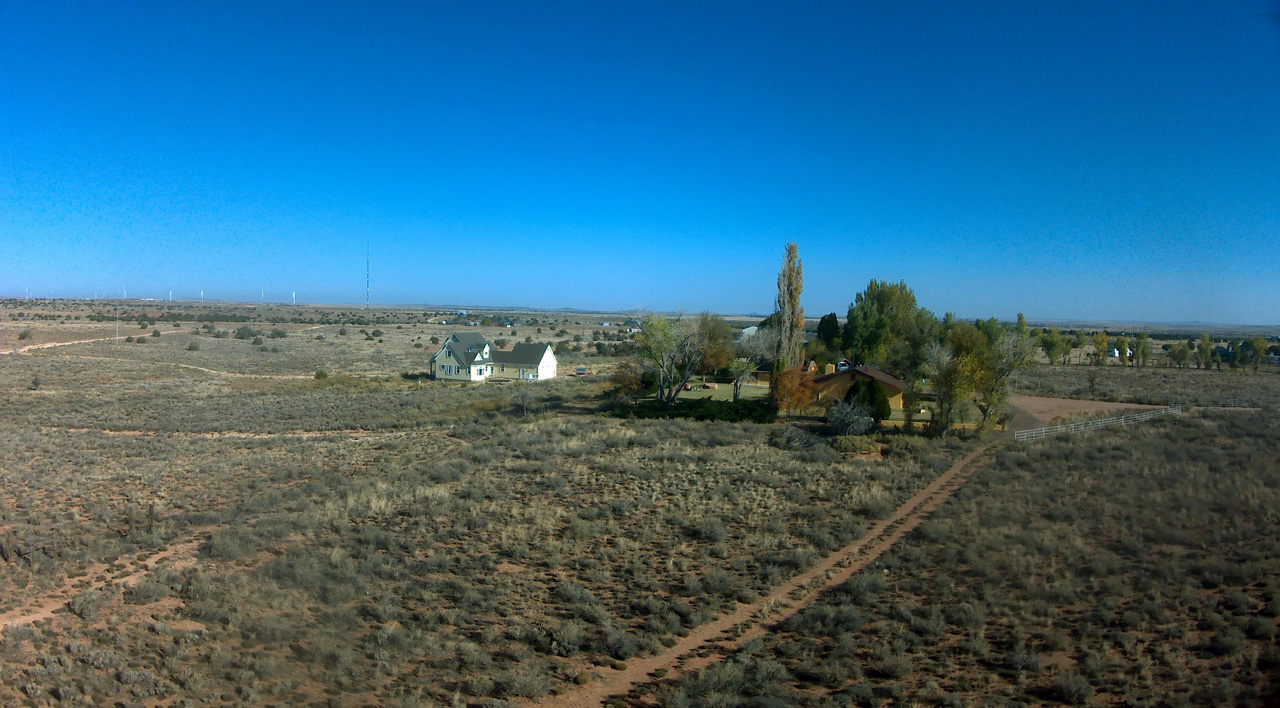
{"x":1084,"y":160}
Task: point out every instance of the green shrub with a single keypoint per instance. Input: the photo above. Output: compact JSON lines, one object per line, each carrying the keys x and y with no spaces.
{"x":857,"y":444}
{"x":1073,"y":688}
{"x":145,"y":592}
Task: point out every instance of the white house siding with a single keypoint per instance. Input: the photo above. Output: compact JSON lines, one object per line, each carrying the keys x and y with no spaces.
{"x":547,"y":367}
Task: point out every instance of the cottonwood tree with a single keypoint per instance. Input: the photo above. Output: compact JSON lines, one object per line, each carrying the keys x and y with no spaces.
{"x":1008,"y":353}
{"x":1100,"y":342}
{"x":893,"y":329}
{"x":675,"y":349}
{"x":1204,"y":351}
{"x":1258,"y":345}
{"x":1142,"y":348}
{"x":953,"y":379}
{"x":1122,"y":350}
{"x":717,"y":344}
{"x":1055,"y":346}
{"x":1179,"y":353}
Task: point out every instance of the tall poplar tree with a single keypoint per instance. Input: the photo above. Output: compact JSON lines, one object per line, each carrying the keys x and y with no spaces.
{"x":790,"y":313}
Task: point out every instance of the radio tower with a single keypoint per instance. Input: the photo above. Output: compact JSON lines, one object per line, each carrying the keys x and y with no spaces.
{"x":366,"y":274}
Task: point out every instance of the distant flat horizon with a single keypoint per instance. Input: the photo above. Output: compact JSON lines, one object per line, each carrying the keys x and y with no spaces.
{"x":1135,"y":325}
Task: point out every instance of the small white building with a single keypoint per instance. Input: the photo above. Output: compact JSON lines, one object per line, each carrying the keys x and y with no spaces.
{"x":470,"y":357}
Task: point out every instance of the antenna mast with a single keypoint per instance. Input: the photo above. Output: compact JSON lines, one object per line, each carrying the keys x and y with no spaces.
{"x":366,"y":274}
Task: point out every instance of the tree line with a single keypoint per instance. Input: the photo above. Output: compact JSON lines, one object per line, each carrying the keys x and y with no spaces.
{"x":945,"y":362}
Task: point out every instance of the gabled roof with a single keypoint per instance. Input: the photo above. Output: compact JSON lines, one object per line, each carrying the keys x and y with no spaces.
{"x":882,"y":377}
{"x":468,"y":348}
{"x":522,"y":354}
{"x":861,"y":370}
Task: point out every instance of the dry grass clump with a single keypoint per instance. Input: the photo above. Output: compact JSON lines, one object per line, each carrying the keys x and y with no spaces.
{"x":1127,"y":567}
{"x":1146,"y":385}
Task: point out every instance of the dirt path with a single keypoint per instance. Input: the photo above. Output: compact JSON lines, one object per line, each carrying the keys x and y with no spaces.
{"x":50,"y":345}
{"x":1040,"y":411}
{"x":53,"y":602}
{"x":730,"y":632}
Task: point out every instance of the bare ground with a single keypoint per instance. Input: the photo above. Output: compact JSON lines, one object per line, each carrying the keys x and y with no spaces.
{"x":1039,"y":411}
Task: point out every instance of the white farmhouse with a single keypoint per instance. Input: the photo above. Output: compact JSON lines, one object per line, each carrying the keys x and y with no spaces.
{"x":463,"y":357}
{"x":469,"y":357}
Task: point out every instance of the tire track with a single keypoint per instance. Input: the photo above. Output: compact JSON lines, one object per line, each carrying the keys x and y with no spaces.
{"x":710,"y":642}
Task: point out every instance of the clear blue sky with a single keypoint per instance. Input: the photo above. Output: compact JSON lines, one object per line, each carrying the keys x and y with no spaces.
{"x":1083,"y":160}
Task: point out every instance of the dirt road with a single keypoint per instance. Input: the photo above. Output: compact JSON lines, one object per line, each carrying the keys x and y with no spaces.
{"x":50,"y":345}
{"x":732,"y":631}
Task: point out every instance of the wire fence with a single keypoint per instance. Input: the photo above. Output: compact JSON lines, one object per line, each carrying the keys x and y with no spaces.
{"x":1127,"y":419}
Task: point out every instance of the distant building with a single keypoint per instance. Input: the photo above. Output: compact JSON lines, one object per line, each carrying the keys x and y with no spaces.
{"x":470,"y":357}
{"x":837,"y":385}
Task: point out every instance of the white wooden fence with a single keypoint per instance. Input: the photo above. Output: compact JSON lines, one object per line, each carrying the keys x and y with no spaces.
{"x":1127,"y":419}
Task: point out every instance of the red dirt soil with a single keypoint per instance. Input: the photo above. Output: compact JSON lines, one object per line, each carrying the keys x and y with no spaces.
{"x":1039,"y":411}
